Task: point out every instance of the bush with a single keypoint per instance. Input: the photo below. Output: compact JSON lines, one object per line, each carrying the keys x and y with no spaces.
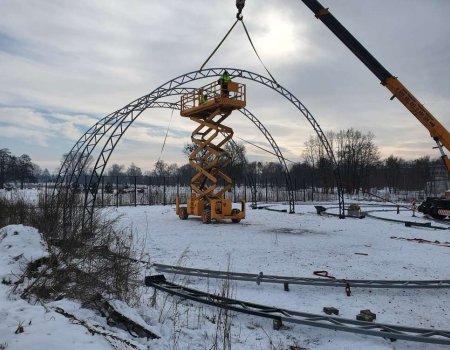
{"x":86,"y":257}
{"x":14,"y":212}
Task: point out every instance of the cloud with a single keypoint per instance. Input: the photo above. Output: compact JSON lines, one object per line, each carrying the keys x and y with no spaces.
{"x":66,"y":64}
{"x":30,"y":126}
{"x":25,"y":135}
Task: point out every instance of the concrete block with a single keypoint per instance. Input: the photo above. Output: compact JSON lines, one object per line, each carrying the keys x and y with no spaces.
{"x":366,"y":315}
{"x":329,"y":310}
{"x":277,"y":323}
{"x":369,"y":313}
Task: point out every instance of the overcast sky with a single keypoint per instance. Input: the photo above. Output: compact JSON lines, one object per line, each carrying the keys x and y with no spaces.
{"x":66,"y":64}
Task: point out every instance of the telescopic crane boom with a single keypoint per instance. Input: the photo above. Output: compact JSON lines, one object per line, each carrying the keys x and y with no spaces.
{"x":437,"y":131}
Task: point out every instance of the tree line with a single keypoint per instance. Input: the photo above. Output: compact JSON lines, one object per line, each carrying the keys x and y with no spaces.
{"x":17,"y":169}
{"x":361,"y":167}
{"x":358,"y":162}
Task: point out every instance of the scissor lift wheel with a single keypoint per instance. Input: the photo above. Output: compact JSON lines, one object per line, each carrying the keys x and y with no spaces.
{"x":183,"y":213}
{"x":235,"y":213}
{"x":206,"y":215}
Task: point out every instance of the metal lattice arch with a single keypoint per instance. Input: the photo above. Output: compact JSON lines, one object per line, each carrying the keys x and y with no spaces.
{"x":76,"y":161}
{"x":276,"y":150}
{"x":115,"y":125}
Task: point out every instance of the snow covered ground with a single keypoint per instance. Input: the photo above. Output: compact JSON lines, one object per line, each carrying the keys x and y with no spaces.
{"x":42,"y":328}
{"x":267,"y":241}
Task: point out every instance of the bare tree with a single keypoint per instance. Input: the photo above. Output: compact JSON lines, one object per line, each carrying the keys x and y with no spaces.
{"x":356,"y":153}
{"x":13,"y":168}
{"x":5,"y":156}
{"x":236,"y":169}
{"x":116,"y":170}
{"x":161,"y":168}
{"x":134,"y":170}
{"x":316,"y":157}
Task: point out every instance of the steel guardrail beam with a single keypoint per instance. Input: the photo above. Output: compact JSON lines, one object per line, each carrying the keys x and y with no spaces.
{"x":435,"y":336}
{"x":328,"y":282}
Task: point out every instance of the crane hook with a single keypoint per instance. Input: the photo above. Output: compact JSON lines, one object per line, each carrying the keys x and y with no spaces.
{"x":240,"y":6}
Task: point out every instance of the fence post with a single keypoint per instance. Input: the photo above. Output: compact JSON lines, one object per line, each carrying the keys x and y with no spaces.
{"x":295,"y":189}
{"x":85,"y":190}
{"x":266,"y":190}
{"x":304,"y":190}
{"x":135,"y":191}
{"x":286,"y":194}
{"x":149,"y":191}
{"x":45,"y":196}
{"x":245,"y":190}
{"x":117,"y":191}
{"x":278,"y":187}
{"x":164,"y":190}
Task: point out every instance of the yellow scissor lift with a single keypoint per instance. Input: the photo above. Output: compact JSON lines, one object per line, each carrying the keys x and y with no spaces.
{"x":209,"y":106}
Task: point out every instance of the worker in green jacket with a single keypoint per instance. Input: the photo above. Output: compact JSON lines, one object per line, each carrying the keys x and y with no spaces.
{"x":202,"y":96}
{"x":223,"y":82}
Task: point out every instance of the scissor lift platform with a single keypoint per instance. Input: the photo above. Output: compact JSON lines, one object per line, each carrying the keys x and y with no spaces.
{"x":201,"y":102}
{"x":209,"y":106}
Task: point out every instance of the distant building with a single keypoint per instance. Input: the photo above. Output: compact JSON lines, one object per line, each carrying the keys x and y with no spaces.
{"x":438,"y":181}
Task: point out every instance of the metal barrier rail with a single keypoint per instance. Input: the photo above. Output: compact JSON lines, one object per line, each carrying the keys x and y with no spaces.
{"x":277,"y":314}
{"x":369,"y":214}
{"x":406,"y":223}
{"x":329,"y":282}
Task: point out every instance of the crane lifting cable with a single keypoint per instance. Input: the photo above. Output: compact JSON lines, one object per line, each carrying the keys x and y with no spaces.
{"x":240,"y":6}
{"x":256,"y":52}
{"x":215,"y":50}
{"x":165,"y":138}
{"x":239,"y":17}
{"x":264,"y":149}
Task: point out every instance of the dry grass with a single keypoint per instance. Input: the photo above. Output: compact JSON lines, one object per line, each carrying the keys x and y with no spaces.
{"x":83,"y":262}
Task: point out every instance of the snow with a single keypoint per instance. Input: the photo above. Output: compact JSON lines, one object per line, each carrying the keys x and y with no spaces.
{"x":298,"y":244}
{"x":43,"y":328}
{"x":268,"y":241}
{"x":28,"y":195}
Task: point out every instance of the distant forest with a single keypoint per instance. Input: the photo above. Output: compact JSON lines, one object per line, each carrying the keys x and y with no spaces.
{"x":18,"y":169}
{"x":357,"y":158}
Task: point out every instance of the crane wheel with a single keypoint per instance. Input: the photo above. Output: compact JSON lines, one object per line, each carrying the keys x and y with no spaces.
{"x":435,"y":215}
{"x":206,"y":216}
{"x":438,"y":216}
{"x":235,"y":212}
{"x":182,"y":213}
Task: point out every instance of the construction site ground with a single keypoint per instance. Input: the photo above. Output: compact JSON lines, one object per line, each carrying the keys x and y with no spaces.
{"x":266,"y":241}
{"x":298,"y":244}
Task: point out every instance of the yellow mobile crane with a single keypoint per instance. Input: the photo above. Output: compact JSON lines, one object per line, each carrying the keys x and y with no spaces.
{"x":209,"y":106}
{"x":438,"y":207}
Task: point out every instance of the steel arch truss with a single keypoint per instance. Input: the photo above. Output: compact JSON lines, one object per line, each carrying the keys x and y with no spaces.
{"x":79,"y":164}
{"x":269,"y":138}
{"x":281,"y":159}
{"x":118,"y":122}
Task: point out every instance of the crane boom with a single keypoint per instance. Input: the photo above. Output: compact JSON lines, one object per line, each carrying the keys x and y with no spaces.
{"x":437,"y":131}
